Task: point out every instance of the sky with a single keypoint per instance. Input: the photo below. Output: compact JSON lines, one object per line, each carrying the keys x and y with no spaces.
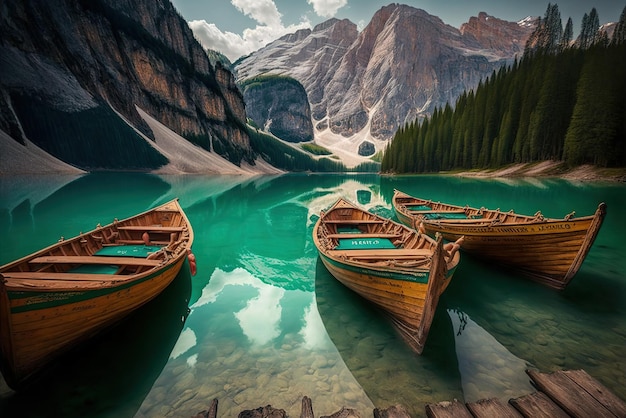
{"x":238,"y":27}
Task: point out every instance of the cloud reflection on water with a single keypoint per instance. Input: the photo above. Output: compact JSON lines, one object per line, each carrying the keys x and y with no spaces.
{"x":487,"y":368}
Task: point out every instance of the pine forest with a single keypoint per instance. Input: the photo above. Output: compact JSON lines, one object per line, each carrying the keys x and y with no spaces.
{"x":564,"y":100}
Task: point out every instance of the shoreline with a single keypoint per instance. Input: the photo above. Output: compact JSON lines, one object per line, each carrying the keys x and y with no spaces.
{"x":546,"y":169}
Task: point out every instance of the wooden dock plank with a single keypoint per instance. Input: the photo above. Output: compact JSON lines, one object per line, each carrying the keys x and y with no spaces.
{"x":446,"y":409}
{"x":566,"y":393}
{"x":598,"y":391}
{"x":488,"y":408}
{"x":537,"y":405}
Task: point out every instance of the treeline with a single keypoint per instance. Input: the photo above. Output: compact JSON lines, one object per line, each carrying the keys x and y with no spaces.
{"x":563,"y":100}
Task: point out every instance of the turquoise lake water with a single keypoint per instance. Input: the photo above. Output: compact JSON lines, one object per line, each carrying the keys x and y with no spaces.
{"x":264,"y":323}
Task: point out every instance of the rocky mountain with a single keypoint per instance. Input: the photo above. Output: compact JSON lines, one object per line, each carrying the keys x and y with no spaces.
{"x":363,"y":86}
{"x":279,"y":105}
{"x":88,"y":80}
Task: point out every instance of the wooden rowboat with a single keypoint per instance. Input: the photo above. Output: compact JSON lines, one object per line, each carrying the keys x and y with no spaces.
{"x":57,"y":297}
{"x":396,"y":268}
{"x":549,"y":251}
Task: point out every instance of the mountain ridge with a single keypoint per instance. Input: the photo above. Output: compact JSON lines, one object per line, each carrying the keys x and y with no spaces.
{"x":401,"y":66}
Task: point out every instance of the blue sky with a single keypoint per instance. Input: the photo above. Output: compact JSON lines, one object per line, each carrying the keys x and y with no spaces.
{"x":238,"y":27}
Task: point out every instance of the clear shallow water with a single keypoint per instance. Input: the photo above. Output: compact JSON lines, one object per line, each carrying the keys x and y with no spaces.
{"x":264,"y":323}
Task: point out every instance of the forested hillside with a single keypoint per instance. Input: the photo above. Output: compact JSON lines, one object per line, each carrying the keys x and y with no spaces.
{"x":563,"y":100}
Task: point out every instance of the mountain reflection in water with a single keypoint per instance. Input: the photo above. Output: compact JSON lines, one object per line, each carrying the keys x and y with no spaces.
{"x":268,"y":324}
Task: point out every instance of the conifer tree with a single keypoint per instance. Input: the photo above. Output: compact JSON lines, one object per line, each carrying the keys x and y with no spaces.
{"x":548,"y":33}
{"x":554,"y":28}
{"x":568,"y":34}
{"x":589,"y":30}
{"x":597,"y":129}
{"x":583,"y":38}
{"x":619,"y":36}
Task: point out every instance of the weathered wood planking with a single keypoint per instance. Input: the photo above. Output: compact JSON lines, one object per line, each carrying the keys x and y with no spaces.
{"x":307,"y":408}
{"x":569,"y":395}
{"x":492,"y":408}
{"x":447,"y":409}
{"x":562,"y":394}
{"x":598,"y":391}
{"x":533,"y":405}
{"x":537,"y":405}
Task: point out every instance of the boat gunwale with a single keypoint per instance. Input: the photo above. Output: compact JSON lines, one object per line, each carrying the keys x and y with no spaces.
{"x":528,"y":219}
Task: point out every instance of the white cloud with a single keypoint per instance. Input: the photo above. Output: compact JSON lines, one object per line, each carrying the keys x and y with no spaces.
{"x":228,"y":43}
{"x":233,"y":45}
{"x":263,"y":11}
{"x":327,"y":8}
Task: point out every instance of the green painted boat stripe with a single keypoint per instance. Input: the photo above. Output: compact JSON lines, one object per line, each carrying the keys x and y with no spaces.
{"x":417,"y":277}
{"x":49,"y":300}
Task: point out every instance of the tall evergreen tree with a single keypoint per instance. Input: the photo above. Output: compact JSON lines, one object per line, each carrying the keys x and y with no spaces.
{"x":619,"y":35}
{"x":568,"y":34}
{"x":583,"y":38}
{"x":589,"y":30}
{"x":554,"y":28}
{"x":547,"y":34}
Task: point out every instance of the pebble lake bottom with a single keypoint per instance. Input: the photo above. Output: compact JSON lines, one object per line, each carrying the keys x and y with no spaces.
{"x":263,"y":322}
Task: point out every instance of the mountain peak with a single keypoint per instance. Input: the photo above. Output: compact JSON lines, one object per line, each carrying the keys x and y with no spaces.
{"x":501,"y":36}
{"x":406,"y":62}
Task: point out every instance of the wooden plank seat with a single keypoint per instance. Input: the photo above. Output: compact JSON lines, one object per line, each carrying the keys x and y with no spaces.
{"x":151,"y":228}
{"x":70,"y":259}
{"x":431,"y":211}
{"x":382,"y":253}
{"x":364,"y":235}
{"x":62,"y":276}
{"x":353,"y":221}
{"x":135,"y":242}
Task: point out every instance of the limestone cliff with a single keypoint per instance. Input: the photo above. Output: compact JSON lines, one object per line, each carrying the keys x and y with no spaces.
{"x":279,"y":105}
{"x":74,"y":72}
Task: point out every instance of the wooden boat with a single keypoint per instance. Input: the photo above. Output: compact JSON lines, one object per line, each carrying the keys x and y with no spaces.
{"x":549,"y":251}
{"x":57,"y":297}
{"x":396,"y":268}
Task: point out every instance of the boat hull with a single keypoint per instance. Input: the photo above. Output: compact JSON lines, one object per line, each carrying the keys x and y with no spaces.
{"x":405,"y":281}
{"x":550,"y":254}
{"x":549,"y":251}
{"x":403,"y":297}
{"x":44,"y":326}
{"x":46,"y":312}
